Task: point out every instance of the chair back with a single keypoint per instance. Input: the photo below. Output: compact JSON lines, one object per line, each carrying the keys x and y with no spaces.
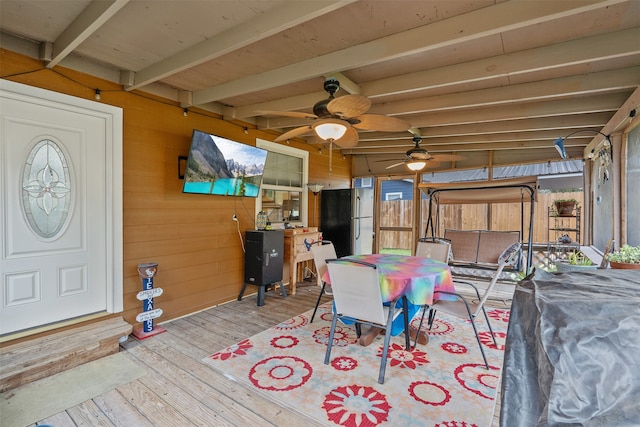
{"x":356,"y":291}
{"x":509,"y":257}
{"x":322,"y":250}
{"x":437,"y":249}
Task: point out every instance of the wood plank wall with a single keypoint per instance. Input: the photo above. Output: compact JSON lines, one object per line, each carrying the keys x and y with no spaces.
{"x":191,"y":237}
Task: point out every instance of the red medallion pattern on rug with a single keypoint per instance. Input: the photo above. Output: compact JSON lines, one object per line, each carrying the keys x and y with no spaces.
{"x":443,"y":383}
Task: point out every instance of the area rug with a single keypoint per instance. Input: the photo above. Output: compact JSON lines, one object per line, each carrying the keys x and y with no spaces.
{"x":25,"y":405}
{"x":443,"y":383}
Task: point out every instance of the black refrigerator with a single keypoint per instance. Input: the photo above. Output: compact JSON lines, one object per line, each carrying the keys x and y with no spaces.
{"x":346,"y":219}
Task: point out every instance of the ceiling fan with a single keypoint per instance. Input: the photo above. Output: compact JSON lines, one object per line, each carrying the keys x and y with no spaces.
{"x":336,"y":120}
{"x":417,"y":158}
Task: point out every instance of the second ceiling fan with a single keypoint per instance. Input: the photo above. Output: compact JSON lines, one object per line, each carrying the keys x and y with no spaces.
{"x":336,"y":120}
{"x":417,"y":157}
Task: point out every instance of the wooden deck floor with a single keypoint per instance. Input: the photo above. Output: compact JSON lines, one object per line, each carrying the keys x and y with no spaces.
{"x":179,"y":390}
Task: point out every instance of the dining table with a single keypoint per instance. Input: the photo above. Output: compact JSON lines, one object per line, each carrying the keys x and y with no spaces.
{"x":414,"y":280}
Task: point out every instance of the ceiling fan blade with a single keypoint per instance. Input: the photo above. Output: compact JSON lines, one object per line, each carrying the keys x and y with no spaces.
{"x":391,"y":160}
{"x":381,"y":123}
{"x":293,"y":133}
{"x":446,"y":157}
{"x":431,"y":164}
{"x":395,"y":165}
{"x":349,"y":106}
{"x":349,"y":139}
{"x":294,"y":114}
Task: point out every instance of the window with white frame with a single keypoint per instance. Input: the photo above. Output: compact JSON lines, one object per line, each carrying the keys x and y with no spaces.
{"x":283,"y":196}
{"x":364,"y":182}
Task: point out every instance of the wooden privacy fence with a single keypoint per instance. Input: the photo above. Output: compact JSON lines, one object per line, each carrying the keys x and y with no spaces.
{"x":396,"y":214}
{"x":494,"y":216}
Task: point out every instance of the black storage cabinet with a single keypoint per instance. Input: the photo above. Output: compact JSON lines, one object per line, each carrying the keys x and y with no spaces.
{"x":263,"y":261}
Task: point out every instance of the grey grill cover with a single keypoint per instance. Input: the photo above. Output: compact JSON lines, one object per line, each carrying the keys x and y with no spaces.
{"x":572,"y":354}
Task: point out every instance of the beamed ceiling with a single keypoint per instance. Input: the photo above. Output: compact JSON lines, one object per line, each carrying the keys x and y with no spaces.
{"x":492,"y":81}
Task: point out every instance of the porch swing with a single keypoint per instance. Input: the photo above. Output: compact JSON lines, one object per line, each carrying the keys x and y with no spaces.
{"x":476,"y":248}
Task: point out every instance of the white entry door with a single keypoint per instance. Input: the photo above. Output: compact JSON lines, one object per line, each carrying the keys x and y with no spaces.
{"x":57,"y":213}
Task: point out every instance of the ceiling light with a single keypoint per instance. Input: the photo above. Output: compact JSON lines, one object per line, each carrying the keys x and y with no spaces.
{"x":330,"y":129}
{"x":416,"y":165}
{"x":315,"y":187}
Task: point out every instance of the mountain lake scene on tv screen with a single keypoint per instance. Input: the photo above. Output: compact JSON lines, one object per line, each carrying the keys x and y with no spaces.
{"x":237,"y":172}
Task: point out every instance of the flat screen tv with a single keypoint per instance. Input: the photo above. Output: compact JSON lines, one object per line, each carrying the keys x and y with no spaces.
{"x":224,"y":167}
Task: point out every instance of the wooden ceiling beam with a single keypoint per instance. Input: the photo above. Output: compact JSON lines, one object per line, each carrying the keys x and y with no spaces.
{"x":617,"y":122}
{"x":457,"y":148}
{"x":85,"y":24}
{"x":626,"y":79}
{"x":548,"y":135}
{"x":605,"y":81}
{"x":483,"y":22}
{"x":580,"y":85}
{"x":263,"y":26}
{"x":582,"y":51}
{"x":582,"y":105}
{"x":293,"y":103}
{"x":526,"y":110}
{"x":560,"y":124}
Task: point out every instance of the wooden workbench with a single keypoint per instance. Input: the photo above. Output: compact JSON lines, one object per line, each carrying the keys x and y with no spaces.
{"x":297,"y":249}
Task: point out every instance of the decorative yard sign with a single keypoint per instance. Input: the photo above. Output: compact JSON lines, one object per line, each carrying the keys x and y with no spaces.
{"x":148,"y":316}
{"x":147,"y":272}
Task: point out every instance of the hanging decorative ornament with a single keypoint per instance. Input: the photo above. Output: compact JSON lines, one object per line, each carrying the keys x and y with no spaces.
{"x":603,"y":167}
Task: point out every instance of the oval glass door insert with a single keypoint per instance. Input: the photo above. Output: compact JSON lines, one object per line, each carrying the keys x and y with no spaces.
{"x":46,"y":189}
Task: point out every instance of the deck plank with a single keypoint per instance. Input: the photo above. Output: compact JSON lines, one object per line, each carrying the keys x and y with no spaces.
{"x":120,"y":411}
{"x":188,"y":391}
{"x":152,"y":406}
{"x":199,"y":412}
{"x":200,"y":337}
{"x":232,"y":396}
{"x":180,"y":389}
{"x":61,"y":419}
{"x":88,"y":414}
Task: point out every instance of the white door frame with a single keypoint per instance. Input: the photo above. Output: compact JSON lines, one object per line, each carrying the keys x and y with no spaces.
{"x":113,"y":119}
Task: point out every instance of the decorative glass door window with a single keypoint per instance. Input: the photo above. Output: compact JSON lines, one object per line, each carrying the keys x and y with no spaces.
{"x":46,"y":189}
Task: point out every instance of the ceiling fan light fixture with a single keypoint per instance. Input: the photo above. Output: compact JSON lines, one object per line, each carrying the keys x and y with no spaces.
{"x":330,"y":129}
{"x":416,"y":165}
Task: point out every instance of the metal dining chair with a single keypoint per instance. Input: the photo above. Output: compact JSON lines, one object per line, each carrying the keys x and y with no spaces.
{"x":434,"y":248}
{"x":322,"y":250}
{"x":465,"y":309}
{"x":357,"y":297}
